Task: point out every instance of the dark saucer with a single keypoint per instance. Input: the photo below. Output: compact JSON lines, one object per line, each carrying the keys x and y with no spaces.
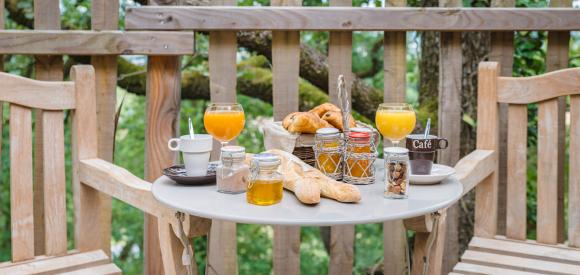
{"x":177,"y":174}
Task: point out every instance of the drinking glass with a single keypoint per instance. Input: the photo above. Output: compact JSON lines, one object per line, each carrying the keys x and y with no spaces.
{"x":395,"y":121}
{"x":224,"y":121}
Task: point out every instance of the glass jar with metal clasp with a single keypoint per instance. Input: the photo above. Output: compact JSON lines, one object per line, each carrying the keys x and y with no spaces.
{"x":328,"y":151}
{"x":266,"y":183}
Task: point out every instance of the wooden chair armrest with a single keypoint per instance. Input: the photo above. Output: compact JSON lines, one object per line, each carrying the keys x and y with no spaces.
{"x":475,"y":167}
{"x":121,"y":184}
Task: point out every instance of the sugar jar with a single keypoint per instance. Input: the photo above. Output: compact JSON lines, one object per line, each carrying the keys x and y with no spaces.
{"x":232,"y":174}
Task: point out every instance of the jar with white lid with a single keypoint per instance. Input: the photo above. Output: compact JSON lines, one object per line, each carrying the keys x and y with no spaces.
{"x":328,"y":151}
{"x":266,"y":183}
{"x":232,"y":174}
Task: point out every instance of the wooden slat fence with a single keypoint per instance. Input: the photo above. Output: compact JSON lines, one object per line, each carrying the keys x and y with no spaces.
{"x":167,"y":42}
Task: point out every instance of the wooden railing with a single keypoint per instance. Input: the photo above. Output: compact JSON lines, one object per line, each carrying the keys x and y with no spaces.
{"x":164,"y":46}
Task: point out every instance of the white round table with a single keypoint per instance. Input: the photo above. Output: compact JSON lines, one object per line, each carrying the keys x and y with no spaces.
{"x":205,"y":201}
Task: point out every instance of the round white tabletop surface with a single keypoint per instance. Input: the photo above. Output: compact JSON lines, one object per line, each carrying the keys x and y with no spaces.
{"x":205,"y":201}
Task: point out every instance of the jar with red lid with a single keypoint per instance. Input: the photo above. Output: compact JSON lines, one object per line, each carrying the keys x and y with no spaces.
{"x":360,"y":155}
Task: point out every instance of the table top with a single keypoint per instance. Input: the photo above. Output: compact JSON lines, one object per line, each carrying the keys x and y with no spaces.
{"x":205,"y":201}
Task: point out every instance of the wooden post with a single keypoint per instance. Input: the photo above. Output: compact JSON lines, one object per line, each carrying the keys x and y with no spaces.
{"x":285,"y":69}
{"x":450,"y":74}
{"x":163,"y":99}
{"x":105,"y":14}
{"x":487,"y":139}
{"x":395,"y":85}
{"x":502,"y":51}
{"x":340,"y":62}
{"x":222,"y":242}
{"x":557,"y":58}
{"x":46,"y":17}
{"x":163,"y":103}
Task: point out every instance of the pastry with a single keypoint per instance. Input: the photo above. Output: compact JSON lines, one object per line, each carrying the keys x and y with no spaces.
{"x":303,"y":122}
{"x":323,"y":108}
{"x":335,"y":119}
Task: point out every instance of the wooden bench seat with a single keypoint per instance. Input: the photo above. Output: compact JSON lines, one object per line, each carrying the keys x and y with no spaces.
{"x":505,"y":256}
{"x":92,"y":262}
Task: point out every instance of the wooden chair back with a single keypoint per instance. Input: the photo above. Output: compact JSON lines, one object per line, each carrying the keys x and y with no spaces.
{"x":543,"y":90}
{"x":38,"y":197}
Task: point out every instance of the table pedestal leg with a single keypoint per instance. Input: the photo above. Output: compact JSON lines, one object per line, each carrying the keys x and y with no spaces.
{"x":428,"y":248}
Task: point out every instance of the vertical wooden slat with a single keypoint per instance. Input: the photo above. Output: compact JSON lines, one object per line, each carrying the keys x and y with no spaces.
{"x":163,"y":99}
{"x":89,"y":228}
{"x":450,"y":75}
{"x":502,"y":51}
{"x":1,"y":70}
{"x":487,"y":139}
{"x":340,"y":62}
{"x":46,"y":17}
{"x":574,"y":178}
{"x":285,"y":69}
{"x":395,"y":70}
{"x":517,"y":137}
{"x":222,"y":254}
{"x":21,"y":213}
{"x":557,"y":58}
{"x":394,"y":242}
{"x":105,"y":14}
{"x":547,"y":219}
{"x":339,"y":56}
{"x":55,"y":237}
{"x":163,"y":103}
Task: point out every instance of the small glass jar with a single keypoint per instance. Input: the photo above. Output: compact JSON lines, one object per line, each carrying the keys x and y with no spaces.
{"x":360,"y":155}
{"x":232,"y":174}
{"x":328,"y":152}
{"x":396,"y":172}
{"x":266,"y":184}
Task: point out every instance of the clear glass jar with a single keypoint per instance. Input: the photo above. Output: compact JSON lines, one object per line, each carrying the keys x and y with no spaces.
{"x":328,"y":152}
{"x":266,"y":184}
{"x":396,"y":172}
{"x":360,"y":155}
{"x":232,"y":174}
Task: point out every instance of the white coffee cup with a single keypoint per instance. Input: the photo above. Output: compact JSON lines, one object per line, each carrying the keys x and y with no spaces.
{"x":196,"y":152}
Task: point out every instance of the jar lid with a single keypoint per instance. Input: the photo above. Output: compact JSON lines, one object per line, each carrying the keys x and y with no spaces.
{"x":396,"y":150}
{"x":327,"y":132}
{"x":359,"y":132}
{"x":266,"y":159}
{"x":233,"y":152}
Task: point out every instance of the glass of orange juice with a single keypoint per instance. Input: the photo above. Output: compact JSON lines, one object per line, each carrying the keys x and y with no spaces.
{"x":224,"y":121}
{"x":395,"y":121}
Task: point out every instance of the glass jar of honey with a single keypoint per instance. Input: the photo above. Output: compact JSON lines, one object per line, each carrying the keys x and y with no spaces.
{"x":266,"y":184}
{"x":328,"y":152}
{"x":360,"y":155}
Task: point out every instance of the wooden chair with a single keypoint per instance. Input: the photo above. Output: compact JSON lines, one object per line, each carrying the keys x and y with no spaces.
{"x":489,"y":253}
{"x":94,"y":180}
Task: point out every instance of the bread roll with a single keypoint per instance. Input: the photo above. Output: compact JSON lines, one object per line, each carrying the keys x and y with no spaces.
{"x":323,"y":108}
{"x":308,"y":183}
{"x":335,"y":119}
{"x":303,"y":122}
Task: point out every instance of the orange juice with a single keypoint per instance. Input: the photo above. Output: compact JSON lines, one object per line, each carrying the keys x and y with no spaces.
{"x":224,"y":125}
{"x":395,"y":124}
{"x":264,"y":192}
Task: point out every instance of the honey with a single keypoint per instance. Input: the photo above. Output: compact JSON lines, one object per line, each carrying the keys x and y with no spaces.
{"x":358,"y":167}
{"x":266,"y":184}
{"x":328,"y":152}
{"x":265,"y":192}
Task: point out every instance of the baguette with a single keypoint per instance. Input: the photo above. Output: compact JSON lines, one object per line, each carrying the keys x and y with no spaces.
{"x":305,"y":181}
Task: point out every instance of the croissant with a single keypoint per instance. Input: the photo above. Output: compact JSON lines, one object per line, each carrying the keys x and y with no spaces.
{"x":323,"y":108}
{"x":335,"y":119}
{"x":303,"y":122}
